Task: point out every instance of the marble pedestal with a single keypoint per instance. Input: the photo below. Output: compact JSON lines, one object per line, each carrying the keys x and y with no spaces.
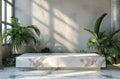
{"x":60,"y":60}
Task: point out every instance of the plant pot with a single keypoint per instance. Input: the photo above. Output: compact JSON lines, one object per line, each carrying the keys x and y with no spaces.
{"x":24,"y":49}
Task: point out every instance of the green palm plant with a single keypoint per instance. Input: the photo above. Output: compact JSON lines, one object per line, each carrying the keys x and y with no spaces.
{"x":94,"y":42}
{"x":111,"y":47}
{"x":105,"y":43}
{"x":20,"y":35}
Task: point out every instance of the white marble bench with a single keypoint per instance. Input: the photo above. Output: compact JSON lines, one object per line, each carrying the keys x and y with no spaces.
{"x":60,"y":60}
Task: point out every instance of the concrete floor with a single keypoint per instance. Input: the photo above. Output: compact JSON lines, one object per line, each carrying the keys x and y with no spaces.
{"x":16,"y":73}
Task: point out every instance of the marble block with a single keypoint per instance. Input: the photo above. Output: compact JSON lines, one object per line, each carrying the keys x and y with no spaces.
{"x":60,"y":60}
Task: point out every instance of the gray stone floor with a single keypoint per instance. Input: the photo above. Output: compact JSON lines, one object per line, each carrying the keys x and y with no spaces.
{"x":17,"y":73}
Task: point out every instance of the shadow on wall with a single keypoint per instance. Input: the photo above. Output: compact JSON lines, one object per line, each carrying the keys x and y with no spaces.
{"x":61,"y":21}
{"x":55,"y":29}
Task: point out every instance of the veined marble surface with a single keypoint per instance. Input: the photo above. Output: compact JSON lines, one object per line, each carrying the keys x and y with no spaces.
{"x":60,"y":60}
{"x":17,"y":73}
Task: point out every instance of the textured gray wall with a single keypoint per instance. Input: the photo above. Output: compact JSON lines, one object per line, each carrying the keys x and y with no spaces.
{"x":62,"y":21}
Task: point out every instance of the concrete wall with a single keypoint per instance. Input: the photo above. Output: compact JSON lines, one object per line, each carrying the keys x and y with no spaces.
{"x":62,"y":21}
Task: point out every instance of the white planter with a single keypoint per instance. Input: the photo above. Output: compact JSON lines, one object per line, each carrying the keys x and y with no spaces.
{"x":60,"y":60}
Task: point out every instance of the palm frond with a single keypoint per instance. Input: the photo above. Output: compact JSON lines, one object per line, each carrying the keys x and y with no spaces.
{"x":35,"y":29}
{"x":5,"y":35}
{"x":15,"y":22}
{"x":20,"y":34}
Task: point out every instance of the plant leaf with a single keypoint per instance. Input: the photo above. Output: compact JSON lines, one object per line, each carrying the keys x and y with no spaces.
{"x":15,"y":22}
{"x":111,"y":35}
{"x":20,"y":35}
{"x":90,"y":31}
{"x":98,"y":23}
{"x":35,"y":29}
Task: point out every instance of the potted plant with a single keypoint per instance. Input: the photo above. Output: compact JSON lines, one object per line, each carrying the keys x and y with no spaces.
{"x":106,"y":44}
{"x":20,"y":35}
